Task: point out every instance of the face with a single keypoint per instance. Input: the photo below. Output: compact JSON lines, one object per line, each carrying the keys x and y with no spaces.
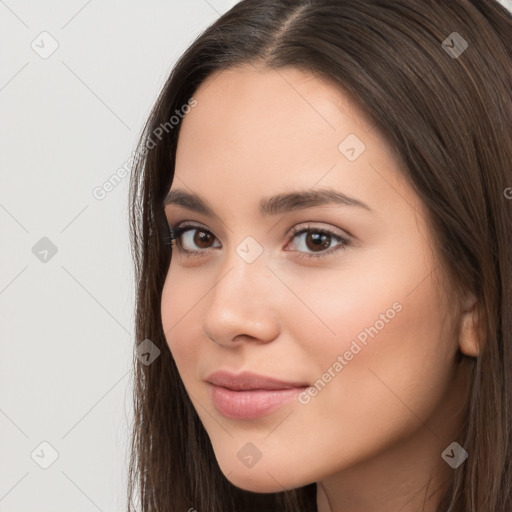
{"x":338,"y":295}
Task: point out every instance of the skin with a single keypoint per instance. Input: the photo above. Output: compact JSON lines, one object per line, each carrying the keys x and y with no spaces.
{"x":373,"y":436}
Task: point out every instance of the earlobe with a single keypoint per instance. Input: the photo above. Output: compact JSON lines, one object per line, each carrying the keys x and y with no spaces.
{"x":469,"y":342}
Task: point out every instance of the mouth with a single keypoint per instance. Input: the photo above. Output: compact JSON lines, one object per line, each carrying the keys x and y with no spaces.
{"x":248,"y":395}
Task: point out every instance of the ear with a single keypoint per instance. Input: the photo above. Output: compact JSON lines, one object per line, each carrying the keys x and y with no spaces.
{"x":469,"y":342}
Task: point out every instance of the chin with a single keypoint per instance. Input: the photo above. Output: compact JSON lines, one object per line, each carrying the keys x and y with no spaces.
{"x":262,"y":484}
{"x":260,"y":480}
{"x":250,"y":483}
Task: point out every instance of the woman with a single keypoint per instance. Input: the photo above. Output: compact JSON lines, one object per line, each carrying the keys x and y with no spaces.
{"x":322,"y":223}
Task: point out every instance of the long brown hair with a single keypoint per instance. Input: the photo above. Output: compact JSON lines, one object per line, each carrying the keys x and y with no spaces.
{"x":436,"y":78}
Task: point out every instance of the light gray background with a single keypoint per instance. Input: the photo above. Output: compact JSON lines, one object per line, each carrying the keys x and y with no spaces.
{"x":67,"y":123}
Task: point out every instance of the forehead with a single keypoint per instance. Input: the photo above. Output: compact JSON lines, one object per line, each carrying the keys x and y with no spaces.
{"x":257,"y":132}
{"x":287,"y":118}
{"x":244,"y":98}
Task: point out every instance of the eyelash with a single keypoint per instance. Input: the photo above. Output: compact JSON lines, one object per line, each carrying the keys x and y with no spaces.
{"x":175,"y":234}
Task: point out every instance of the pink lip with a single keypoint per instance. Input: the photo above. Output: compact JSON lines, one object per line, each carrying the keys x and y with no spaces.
{"x":248,"y":395}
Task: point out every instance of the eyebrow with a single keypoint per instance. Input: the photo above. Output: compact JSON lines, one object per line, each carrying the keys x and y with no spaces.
{"x":274,"y":205}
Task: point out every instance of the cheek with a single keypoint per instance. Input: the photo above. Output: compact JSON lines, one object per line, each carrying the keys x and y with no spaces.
{"x":397,"y":374}
{"x":179,"y":297}
{"x":375,"y":345}
{"x":380,"y":299}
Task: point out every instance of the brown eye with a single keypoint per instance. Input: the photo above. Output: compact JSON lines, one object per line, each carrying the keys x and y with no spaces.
{"x":316,"y":242}
{"x":193,"y":239}
{"x":202,"y":238}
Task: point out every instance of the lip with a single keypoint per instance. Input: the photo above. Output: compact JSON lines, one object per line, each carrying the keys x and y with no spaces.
{"x":247,"y":381}
{"x":248,"y":395}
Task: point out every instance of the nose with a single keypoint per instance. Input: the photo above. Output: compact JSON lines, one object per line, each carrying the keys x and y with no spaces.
{"x":243,"y":304}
